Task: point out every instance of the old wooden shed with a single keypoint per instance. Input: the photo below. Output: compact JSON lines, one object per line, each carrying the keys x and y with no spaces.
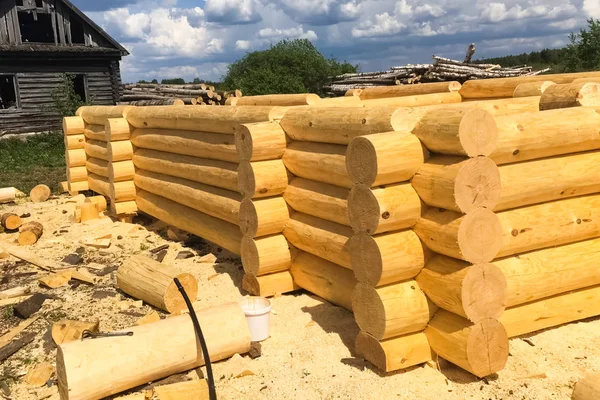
{"x":40,"y":41}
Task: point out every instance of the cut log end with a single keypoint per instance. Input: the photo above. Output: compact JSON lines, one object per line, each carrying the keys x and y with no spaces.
{"x":364,"y":210}
{"x":250,"y":259}
{"x":484,"y":293}
{"x":487,"y":347}
{"x":30,"y":233}
{"x":477,"y":184}
{"x":173,"y":299}
{"x":369,"y":310}
{"x":40,"y":193}
{"x":480,"y":236}
{"x":10,"y":221}
{"x":361,"y":161}
{"x":248,"y":218}
{"x":244,"y":143}
{"x":366,"y":259}
{"x":478,"y":133}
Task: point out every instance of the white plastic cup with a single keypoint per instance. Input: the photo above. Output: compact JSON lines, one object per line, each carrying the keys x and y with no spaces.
{"x":257,"y":311}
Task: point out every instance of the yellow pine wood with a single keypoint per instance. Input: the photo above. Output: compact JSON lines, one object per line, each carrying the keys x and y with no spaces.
{"x":344,"y":101}
{"x":10,"y":221}
{"x":77,"y":174}
{"x":75,"y":187}
{"x":8,"y":194}
{"x":379,"y":92}
{"x":97,"y":149}
{"x":318,"y":199}
{"x":98,"y":115}
{"x":76,"y":158}
{"x":414,"y":100}
{"x":123,"y":208}
{"x":73,"y":125}
{"x":190,"y":390}
{"x":40,"y":193}
{"x":117,"y":129}
{"x":532,"y":88}
{"x":89,"y":211}
{"x":265,"y":255}
{"x":95,"y":132}
{"x":496,"y":107}
{"x":74,"y":141}
{"x":269,"y":285}
{"x":587,"y":388}
{"x":30,"y":233}
{"x":353,"y":92}
{"x":119,"y":151}
{"x":396,"y":353}
{"x":262,"y":178}
{"x":260,"y":141}
{"x":261,"y":217}
{"x":318,"y":161}
{"x":98,"y":166}
{"x":121,"y":171}
{"x":570,"y":95}
{"x":286,"y":100}
{"x":122,"y":191}
{"x":98,"y":201}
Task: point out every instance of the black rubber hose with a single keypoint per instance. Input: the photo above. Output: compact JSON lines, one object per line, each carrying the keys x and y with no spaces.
{"x":212,"y":392}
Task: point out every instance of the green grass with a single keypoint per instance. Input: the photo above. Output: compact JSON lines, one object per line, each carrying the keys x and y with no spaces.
{"x":33,"y":160}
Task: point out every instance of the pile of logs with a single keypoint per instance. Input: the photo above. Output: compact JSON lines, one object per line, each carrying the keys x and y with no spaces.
{"x":155,"y":94}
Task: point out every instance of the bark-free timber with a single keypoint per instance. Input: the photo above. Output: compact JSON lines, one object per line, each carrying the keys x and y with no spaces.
{"x":414,"y":101}
{"x":570,"y":95}
{"x":386,"y":258}
{"x":322,"y":238}
{"x":318,"y":199}
{"x":269,"y":285}
{"x":95,"y":132}
{"x":319,"y":162}
{"x":98,"y":115}
{"x":395,"y":353}
{"x":87,"y":212}
{"x":458,"y":184}
{"x":475,"y":237}
{"x":99,"y":184}
{"x":124,"y":208}
{"x":220,"y":232}
{"x":77,"y":174}
{"x":323,"y":278}
{"x":261,"y":217}
{"x":480,"y":348}
{"x":8,"y":194}
{"x":203,"y":119}
{"x":119,"y":151}
{"x":97,"y":149}
{"x":286,"y":100}
{"x":40,"y":193}
{"x":384,"y":158}
{"x":75,"y":187}
{"x":214,"y":146}
{"x":117,"y":129}
{"x":471,"y":291}
{"x":496,"y":107}
{"x":128,"y":363}
{"x":75,"y":158}
{"x":532,"y":88}
{"x":210,"y":200}
{"x":384,"y":208}
{"x":587,"y":388}
{"x":148,"y":280}
{"x":30,"y":233}
{"x":262,"y":178}
{"x":345,"y":101}
{"x":73,"y":125}
{"x":379,"y":92}
{"x":98,"y":201}
{"x":73,"y":142}
{"x":260,"y":141}
{"x":10,"y":221}
{"x":121,"y":171}
{"x":203,"y":170}
{"x":265,"y":255}
{"x":122,"y":191}
{"x":391,"y":310}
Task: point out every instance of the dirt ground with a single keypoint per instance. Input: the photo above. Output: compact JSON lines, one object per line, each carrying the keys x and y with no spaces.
{"x":310,"y":352}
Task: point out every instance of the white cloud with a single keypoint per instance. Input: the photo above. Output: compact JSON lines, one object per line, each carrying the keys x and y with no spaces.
{"x":383,"y":25}
{"x":243,"y":45}
{"x":131,"y":25}
{"x":403,"y":8}
{"x":592,"y":8}
{"x":291,"y":33}
{"x":232,"y":11}
{"x":320,"y":12}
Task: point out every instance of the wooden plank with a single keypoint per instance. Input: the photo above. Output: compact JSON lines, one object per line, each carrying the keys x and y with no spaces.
{"x":67,"y":21}
{"x":16,"y":345}
{"x":12,"y":22}
{"x":3,"y":28}
{"x":11,"y":334}
{"x":190,"y":390}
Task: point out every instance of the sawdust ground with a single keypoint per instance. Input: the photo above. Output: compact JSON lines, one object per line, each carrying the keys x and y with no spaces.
{"x":310,"y":352}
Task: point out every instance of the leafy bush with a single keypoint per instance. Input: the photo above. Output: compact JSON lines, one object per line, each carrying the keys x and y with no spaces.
{"x":583,"y":54}
{"x":65,"y":101}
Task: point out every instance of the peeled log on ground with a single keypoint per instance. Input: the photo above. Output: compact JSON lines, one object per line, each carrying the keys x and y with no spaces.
{"x":286,"y":100}
{"x":480,"y":348}
{"x":8,"y":194}
{"x":395,"y":353}
{"x":262,"y":178}
{"x":471,"y":291}
{"x":10,"y":221}
{"x":269,"y":285}
{"x":97,"y":149}
{"x":387,"y":258}
{"x":552,"y":311}
{"x":458,"y":184}
{"x":414,"y":101}
{"x":383,"y":209}
{"x":98,"y":115}
{"x":549,"y":224}
{"x":548,"y":179}
{"x":532,"y":88}
{"x":145,"y":279}
{"x":204,"y":119}
{"x":496,"y":107}
{"x":548,"y":272}
{"x":261,"y":217}
{"x":392,"y":310}
{"x":127,"y":363}
{"x":322,"y":238}
{"x":203,"y":170}
{"x":548,"y":133}
{"x":318,"y":199}
{"x":570,"y":95}
{"x":266,"y":255}
{"x":117,"y":129}
{"x":260,"y":141}
{"x":458,"y":132}
{"x":40,"y":193}
{"x":119,"y":151}
{"x":344,"y":101}
{"x":379,"y":92}
{"x":318,"y":161}
{"x":475,"y":237}
{"x":30,"y":233}
{"x":214,"y":146}
{"x":384,"y":158}
{"x":587,"y":388}
{"x":73,"y":125}
{"x":220,"y":232}
{"x":323,"y":278}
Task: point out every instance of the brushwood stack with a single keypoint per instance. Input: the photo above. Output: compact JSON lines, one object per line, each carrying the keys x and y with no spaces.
{"x":155,"y":94}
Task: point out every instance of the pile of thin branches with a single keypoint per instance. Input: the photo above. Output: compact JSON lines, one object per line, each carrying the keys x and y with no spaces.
{"x":153,"y":94}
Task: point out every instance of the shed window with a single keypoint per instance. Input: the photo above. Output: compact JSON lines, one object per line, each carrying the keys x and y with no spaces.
{"x":80,"y":86}
{"x":77,"y":34}
{"x":8,"y":92}
{"x":36,"y":30}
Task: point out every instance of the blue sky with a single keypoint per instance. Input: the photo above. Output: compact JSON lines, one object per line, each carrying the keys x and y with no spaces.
{"x":199,"y":38}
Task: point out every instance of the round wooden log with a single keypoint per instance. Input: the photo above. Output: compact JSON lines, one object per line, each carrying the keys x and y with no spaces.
{"x":117,"y":129}
{"x":587,"y":388}
{"x":97,"y":166}
{"x":539,"y":181}
{"x":98,"y":115}
{"x":148,"y":280}
{"x":232,"y":101}
{"x":214,"y":146}
{"x":414,"y":101}
{"x":323,"y":278}
{"x":322,"y":238}
{"x":10,"y":221}
{"x":458,"y":132}
{"x":87,"y":212}
{"x":99,"y":202}
{"x":97,"y":149}
{"x":396,"y":353}
{"x":318,"y":199}
{"x":8,"y":195}
{"x":570,"y":95}
{"x":261,"y":217}
{"x":386,"y":258}
{"x":99,"y":184}
{"x":532,"y":88}
{"x":122,"y":191}
{"x":391,"y":310}
{"x":210,"y":172}
{"x":77,"y":174}
{"x":262,"y":178}
{"x":123,"y":208}
{"x":543,"y":134}
{"x":319,"y":162}
{"x":75,"y":187}
{"x":457,"y":184}
{"x":73,"y":125}
{"x":220,"y":232}
{"x":30,"y":233}
{"x":217,"y":120}
{"x":127,"y":357}
{"x":349,"y":101}
{"x":269,"y":285}
{"x":384,"y":158}
{"x":73,"y":142}
{"x":121,"y":171}
{"x":480,"y":348}
{"x":549,"y":224}
{"x":300,"y":99}
{"x":119,"y":151}
{"x":265,"y":255}
{"x":353,"y":92}
{"x":496,"y":107}
{"x":476,"y":237}
{"x":260,"y":141}
{"x":95,"y":132}
{"x":471,"y":291}
{"x":40,"y":193}
{"x":379,"y":92}
{"x":383,"y":209}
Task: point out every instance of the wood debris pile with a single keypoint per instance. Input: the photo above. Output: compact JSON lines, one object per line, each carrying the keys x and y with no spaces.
{"x":155,"y":94}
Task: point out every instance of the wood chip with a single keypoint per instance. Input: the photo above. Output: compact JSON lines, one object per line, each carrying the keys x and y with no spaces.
{"x":190,"y":390}
{"x":14,"y":292}
{"x":39,"y":374}
{"x":26,"y":255}
{"x":68,"y":331}
{"x":14,"y":300}
{"x":237,"y":367}
{"x":11,"y":334}
{"x":83,"y":276}
{"x":103,"y":242}
{"x":56,"y":280}
{"x":150,"y":318}
{"x":136,"y":396}
{"x":208,"y":258}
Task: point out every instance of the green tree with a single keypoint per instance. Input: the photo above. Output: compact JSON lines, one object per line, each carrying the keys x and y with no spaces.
{"x":154,"y":81}
{"x":175,"y":81}
{"x":583,"y":54}
{"x":65,"y":101}
{"x":290,"y":66}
